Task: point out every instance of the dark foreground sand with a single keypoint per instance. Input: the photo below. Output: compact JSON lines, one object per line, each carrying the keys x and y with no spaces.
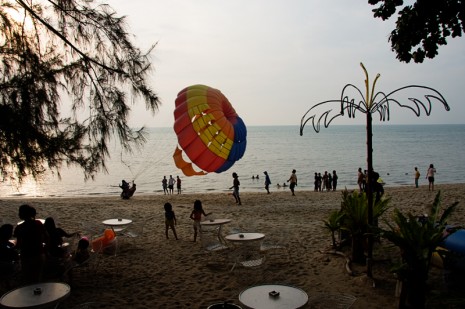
{"x":153,"y":272}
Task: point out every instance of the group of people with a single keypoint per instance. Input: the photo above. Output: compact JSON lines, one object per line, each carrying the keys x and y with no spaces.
{"x":375,"y":182}
{"x":430,"y":173}
{"x":196,"y":216}
{"x":37,"y":247}
{"x":325,"y":182}
{"x":237,"y":183}
{"x":168,"y":185}
{"x":128,"y":191}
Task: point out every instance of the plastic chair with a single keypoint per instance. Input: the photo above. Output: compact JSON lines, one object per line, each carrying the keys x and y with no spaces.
{"x":105,"y":243}
{"x":210,"y":240}
{"x":212,"y":248}
{"x":135,"y":230}
{"x":91,"y":229}
{"x":87,"y":268}
{"x":277,"y":241}
{"x":248,"y":256}
{"x":9,"y":273}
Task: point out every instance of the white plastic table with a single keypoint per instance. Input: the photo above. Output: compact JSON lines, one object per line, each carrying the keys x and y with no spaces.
{"x":117,"y":225}
{"x":244,"y":237}
{"x":216,"y":222}
{"x":246,"y":249}
{"x":52,"y":293}
{"x":282,"y":297}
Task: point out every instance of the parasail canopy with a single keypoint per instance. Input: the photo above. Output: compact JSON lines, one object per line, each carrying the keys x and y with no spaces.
{"x":209,"y":131}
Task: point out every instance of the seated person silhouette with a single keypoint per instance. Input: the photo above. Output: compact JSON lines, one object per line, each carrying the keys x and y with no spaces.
{"x":128,"y":192}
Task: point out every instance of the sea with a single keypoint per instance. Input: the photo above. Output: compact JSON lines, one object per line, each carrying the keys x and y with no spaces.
{"x":397,"y":149}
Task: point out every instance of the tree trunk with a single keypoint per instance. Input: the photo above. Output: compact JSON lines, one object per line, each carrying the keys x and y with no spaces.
{"x":358,"y":249}
{"x":413,"y":293}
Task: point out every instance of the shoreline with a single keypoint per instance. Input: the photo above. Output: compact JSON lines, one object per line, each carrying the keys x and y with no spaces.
{"x":214,"y":191}
{"x":154,"y":272}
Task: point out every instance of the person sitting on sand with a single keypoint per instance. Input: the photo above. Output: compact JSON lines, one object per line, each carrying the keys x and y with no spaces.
{"x":55,"y":238}
{"x":8,"y":254}
{"x":82,"y":252}
{"x":170,"y":220}
{"x":30,"y":237}
{"x":196,"y":215}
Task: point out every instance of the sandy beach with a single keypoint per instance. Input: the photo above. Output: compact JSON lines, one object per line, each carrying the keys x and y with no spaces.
{"x":154,"y":272}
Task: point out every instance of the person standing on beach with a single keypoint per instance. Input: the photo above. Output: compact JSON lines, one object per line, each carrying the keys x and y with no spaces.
{"x":235,"y":186}
{"x":164,"y":183}
{"x":196,"y":215}
{"x":178,"y":184}
{"x":315,"y":182}
{"x":335,"y":177}
{"x":9,"y":256}
{"x":170,"y":220}
{"x":267,"y":182}
{"x":325,"y":180}
{"x":417,"y":176}
{"x":292,"y":181}
{"x":329,"y":186}
{"x":171,"y":184}
{"x":430,"y":176}
{"x":360,"y":179}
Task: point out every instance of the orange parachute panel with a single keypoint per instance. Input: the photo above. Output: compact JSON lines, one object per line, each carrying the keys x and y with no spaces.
{"x":208,"y":129}
{"x":184,"y":166}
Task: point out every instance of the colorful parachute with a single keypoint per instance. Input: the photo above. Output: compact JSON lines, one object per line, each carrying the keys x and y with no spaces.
{"x":209,"y":131}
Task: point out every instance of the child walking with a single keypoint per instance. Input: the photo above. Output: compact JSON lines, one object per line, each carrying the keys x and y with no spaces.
{"x":236,"y":184}
{"x":196,"y":215}
{"x":170,"y":220}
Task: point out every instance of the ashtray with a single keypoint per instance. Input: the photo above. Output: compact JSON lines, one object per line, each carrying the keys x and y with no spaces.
{"x":37,"y":291}
{"x":241,"y":235}
{"x":120,"y":219}
{"x":273,"y":294}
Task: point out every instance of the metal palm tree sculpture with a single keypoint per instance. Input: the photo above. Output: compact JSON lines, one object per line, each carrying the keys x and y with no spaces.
{"x":369,"y":104}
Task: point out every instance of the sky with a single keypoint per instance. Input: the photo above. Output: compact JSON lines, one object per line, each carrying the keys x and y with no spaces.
{"x":274,"y":59}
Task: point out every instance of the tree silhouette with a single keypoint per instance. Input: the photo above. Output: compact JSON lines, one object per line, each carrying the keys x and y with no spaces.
{"x":369,"y":104}
{"x":55,"y":52}
{"x":421,"y":26}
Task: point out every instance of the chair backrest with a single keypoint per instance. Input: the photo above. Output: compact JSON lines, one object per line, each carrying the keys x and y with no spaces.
{"x":248,"y":225}
{"x":136,"y":229}
{"x":209,"y":239}
{"x":91,"y":229}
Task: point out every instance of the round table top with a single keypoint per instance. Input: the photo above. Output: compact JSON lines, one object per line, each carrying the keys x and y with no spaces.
{"x":245,"y":236}
{"x":24,"y":297}
{"x":215,"y":221}
{"x":115,"y":222}
{"x":266,"y":296}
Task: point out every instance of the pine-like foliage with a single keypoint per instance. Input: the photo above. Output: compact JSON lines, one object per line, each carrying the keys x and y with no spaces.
{"x":55,"y":53}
